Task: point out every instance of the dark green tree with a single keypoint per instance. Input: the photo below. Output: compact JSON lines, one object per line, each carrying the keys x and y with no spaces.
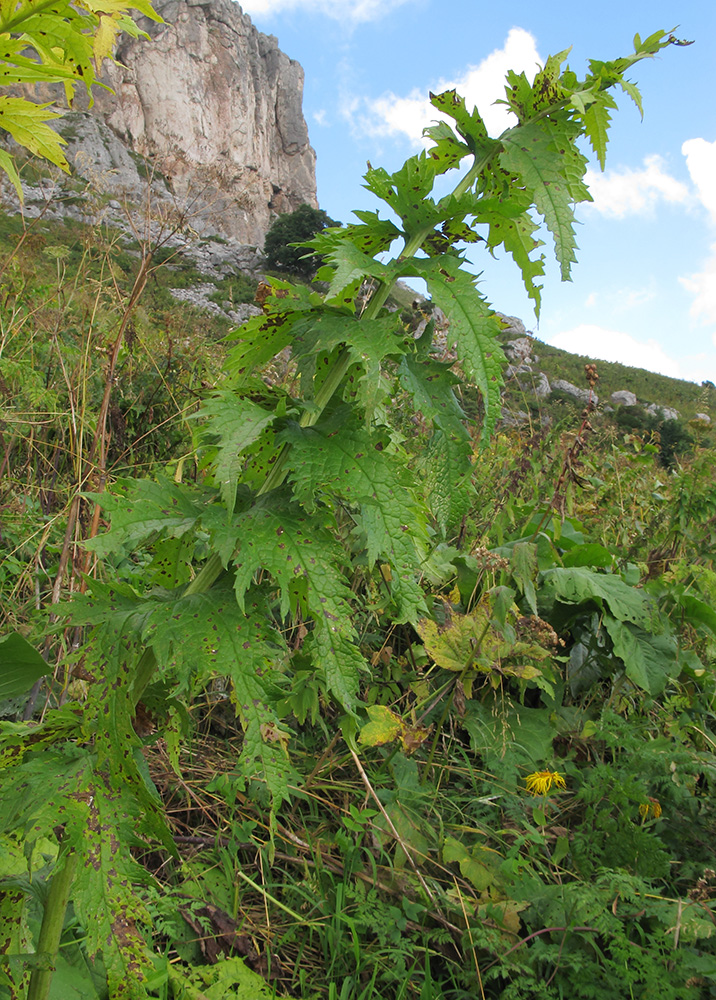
{"x":289,"y":229}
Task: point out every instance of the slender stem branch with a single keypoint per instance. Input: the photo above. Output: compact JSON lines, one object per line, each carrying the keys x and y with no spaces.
{"x":391,"y":826}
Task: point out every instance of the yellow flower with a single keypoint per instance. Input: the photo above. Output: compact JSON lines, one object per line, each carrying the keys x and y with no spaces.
{"x":540,"y":782}
{"x":650,"y":808}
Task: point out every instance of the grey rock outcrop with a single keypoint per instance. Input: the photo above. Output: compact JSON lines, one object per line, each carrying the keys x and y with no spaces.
{"x":663,"y":412}
{"x":581,"y":395}
{"x":214,"y":107}
{"x":703,"y":418}
{"x":519,"y":350}
{"x":623,"y":398}
{"x":512,"y":325}
{"x":534,"y":383}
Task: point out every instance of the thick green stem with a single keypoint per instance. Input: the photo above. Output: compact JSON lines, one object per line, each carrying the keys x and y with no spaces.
{"x":53,"y":921}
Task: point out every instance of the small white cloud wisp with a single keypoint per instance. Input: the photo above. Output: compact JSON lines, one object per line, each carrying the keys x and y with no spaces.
{"x":701,"y":162}
{"x":613,"y":345}
{"x":702,"y":286}
{"x":620,"y":193}
{"x":406,"y":116}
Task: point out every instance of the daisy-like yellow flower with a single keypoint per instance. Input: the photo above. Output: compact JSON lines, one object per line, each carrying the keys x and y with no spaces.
{"x":540,"y":782}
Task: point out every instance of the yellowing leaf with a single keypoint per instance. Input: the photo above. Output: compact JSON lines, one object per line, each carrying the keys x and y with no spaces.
{"x":25,"y":122}
{"x":104,"y":38}
{"x":384,"y":726}
{"x":8,"y":165}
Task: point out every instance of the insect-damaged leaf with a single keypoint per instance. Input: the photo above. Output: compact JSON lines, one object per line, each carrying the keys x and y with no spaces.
{"x":237,"y":423}
{"x":349,"y":462}
{"x":307,"y":563}
{"x":202,"y":635}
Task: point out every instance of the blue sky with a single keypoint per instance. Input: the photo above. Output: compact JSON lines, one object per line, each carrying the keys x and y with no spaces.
{"x":644,"y":289}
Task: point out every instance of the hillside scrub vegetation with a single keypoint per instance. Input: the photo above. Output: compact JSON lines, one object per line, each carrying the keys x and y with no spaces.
{"x":285,"y":244}
{"x":317,"y":679}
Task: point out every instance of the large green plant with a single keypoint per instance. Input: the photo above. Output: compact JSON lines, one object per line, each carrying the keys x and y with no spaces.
{"x":251,"y":570}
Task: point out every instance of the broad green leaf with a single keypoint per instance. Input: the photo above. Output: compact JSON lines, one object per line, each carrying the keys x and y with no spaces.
{"x":40,"y":780}
{"x":473,"y":326}
{"x":140,"y":508}
{"x":230,"y":977}
{"x":589,"y":554}
{"x":20,"y":666}
{"x":512,"y":227}
{"x":696,"y":612}
{"x":596,"y":126}
{"x":237,"y":423}
{"x":356,"y":466}
{"x":351,"y":264}
{"x":447,"y":463}
{"x":477,"y":865}
{"x":26,"y":123}
{"x":469,"y":123}
{"x":577,"y":585}
{"x":447,"y":469}
{"x":649,"y":660}
{"x":516,"y":734}
{"x":384,"y":726}
{"x":524,"y":569}
{"x":534,"y":155}
{"x":431,"y":385}
{"x":171,"y":564}
{"x":372,"y":236}
{"x":368,"y":342}
{"x":103,"y":891}
{"x":633,"y":92}
{"x":201,"y":635}
{"x":447,"y":150}
{"x":8,"y":165}
{"x":307,"y":564}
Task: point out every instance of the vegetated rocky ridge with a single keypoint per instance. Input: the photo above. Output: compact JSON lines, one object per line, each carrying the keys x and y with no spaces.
{"x":523,"y":374}
{"x":200,"y":142}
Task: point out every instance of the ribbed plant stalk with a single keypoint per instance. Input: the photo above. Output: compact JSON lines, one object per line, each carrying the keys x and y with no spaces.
{"x":213,"y":568}
{"x":53,"y":920}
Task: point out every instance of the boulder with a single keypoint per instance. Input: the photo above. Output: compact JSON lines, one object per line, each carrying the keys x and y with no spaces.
{"x":622,"y":397}
{"x":582,"y":395}
{"x":519,"y":350}
{"x":662,"y":412}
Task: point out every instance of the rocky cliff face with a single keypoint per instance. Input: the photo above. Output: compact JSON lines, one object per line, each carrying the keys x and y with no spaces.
{"x":214,"y":106}
{"x":217,"y":107}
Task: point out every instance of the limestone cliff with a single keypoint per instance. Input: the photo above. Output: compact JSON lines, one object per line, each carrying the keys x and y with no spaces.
{"x":217,"y":106}
{"x":213,"y":105}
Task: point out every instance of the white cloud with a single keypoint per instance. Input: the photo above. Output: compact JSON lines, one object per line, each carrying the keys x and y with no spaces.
{"x":614,"y":345}
{"x":701,"y":162}
{"x":703,"y":287}
{"x":319,"y":116}
{"x":481,"y":85}
{"x":619,"y":193}
{"x":341,"y":10}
